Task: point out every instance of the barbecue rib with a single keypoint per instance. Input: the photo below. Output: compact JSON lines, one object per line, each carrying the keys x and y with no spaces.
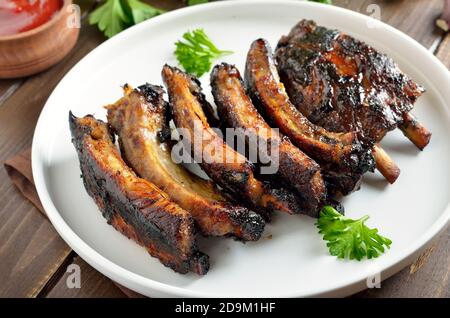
{"x":415,"y":131}
{"x":223,"y":165}
{"x":342,"y":156}
{"x":140,"y":119}
{"x":342,"y":84}
{"x":134,"y":206}
{"x":387,"y":167}
{"x":237,"y":110}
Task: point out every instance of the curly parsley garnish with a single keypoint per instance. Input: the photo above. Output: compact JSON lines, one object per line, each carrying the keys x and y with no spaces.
{"x":197,"y":53}
{"x":349,"y":238}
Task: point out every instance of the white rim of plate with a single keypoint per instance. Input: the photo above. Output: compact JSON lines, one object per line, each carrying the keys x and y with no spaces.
{"x":140,"y":283}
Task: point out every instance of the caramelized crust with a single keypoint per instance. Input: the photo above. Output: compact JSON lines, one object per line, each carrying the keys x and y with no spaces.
{"x":415,"y":131}
{"x":341,"y":155}
{"x":341,"y":83}
{"x":134,"y":206}
{"x":237,"y":110}
{"x":225,"y":166}
{"x":140,"y":119}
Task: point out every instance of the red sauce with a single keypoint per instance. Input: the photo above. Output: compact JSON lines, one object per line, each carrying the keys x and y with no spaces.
{"x":22,"y":15}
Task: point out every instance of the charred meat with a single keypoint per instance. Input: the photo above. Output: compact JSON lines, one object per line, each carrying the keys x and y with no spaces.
{"x":134,"y":206}
{"x":342,"y":156}
{"x":140,"y":119}
{"x":223,"y":165}
{"x":343,"y":85}
{"x":294,"y":167}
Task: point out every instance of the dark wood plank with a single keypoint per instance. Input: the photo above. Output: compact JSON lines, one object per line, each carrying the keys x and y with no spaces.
{"x":413,"y":17}
{"x":92,"y":284}
{"x":31,"y":251}
{"x":167,"y":5}
{"x":443,"y":52}
{"x":429,"y":276}
{"x":8,"y":87}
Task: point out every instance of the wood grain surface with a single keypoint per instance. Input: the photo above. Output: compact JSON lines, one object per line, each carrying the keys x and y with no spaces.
{"x":35,"y":259}
{"x":93,"y":284}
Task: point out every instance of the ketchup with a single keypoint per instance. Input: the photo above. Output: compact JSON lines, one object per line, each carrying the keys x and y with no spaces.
{"x":22,"y":15}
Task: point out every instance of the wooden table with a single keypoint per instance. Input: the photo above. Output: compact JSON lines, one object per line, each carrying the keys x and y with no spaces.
{"x":34,"y":259}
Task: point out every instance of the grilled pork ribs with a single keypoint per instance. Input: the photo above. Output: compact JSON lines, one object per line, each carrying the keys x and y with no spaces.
{"x":133,"y":206}
{"x":342,"y":156}
{"x":140,"y":119}
{"x":222,"y":164}
{"x":237,"y":111}
{"x":343,"y":84}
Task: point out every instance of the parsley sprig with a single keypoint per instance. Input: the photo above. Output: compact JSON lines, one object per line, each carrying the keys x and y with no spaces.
{"x":197,"y":52}
{"x":114,"y":16}
{"x":349,"y":238}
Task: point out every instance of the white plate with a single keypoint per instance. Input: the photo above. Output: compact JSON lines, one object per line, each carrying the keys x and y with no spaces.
{"x":295,"y":262}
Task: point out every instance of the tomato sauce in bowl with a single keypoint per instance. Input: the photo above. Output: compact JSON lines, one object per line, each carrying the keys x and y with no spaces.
{"x":18,"y":16}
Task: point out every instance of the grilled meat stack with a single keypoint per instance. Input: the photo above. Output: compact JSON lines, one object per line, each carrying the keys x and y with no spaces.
{"x":141,"y":120}
{"x":332,"y":97}
{"x":293,"y":167}
{"x":223,"y":164}
{"x":344,"y":85}
{"x":342,"y":156}
{"x":134,"y":206}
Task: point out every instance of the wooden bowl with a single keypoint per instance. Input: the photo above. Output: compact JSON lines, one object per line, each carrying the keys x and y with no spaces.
{"x":35,"y":50}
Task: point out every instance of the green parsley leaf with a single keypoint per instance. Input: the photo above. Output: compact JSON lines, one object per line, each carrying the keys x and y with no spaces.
{"x":194,"y":2}
{"x":322,"y":1}
{"x":197,"y":53}
{"x":115,"y":16}
{"x":141,"y":11}
{"x":349,"y":238}
{"x":110,"y":17}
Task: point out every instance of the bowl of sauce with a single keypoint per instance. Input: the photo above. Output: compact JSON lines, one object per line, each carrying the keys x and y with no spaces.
{"x":35,"y":34}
